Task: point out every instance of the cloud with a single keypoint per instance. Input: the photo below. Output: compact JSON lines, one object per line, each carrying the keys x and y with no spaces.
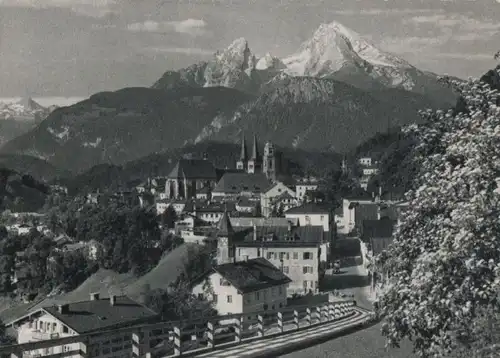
{"x":94,"y":8}
{"x":465,"y":56}
{"x":193,"y":27}
{"x":183,"y":50}
{"x":402,"y":45}
{"x":378,"y":11}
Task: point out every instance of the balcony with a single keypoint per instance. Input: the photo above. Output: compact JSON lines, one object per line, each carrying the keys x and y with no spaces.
{"x":43,"y":336}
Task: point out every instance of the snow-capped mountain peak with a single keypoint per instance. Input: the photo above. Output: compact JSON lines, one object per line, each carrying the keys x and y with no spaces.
{"x":237,"y":55}
{"x":269,"y":62}
{"x":331,"y":47}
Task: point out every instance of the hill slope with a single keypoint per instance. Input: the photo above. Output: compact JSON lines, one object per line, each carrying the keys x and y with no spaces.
{"x":116,"y":127}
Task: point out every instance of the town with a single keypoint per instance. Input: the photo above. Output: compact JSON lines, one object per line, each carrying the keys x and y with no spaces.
{"x":253,"y":242}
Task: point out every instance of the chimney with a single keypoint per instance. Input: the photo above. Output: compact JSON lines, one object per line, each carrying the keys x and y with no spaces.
{"x":94,"y":296}
{"x":63,"y":308}
{"x":112,"y":300}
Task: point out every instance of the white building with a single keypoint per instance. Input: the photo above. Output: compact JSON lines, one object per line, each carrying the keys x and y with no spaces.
{"x":365,"y":161}
{"x":244,"y":286}
{"x":302,"y":188}
{"x":297,"y":251}
{"x":82,"y":317}
{"x":267,"y":201}
{"x":312,"y":214}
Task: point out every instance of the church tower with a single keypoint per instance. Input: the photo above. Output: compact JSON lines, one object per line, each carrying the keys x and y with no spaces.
{"x":242,"y":163}
{"x":270,"y":162}
{"x":255,"y":163}
{"x":225,"y":244}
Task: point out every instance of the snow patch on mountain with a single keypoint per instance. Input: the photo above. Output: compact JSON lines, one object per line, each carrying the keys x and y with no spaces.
{"x":93,"y":144}
{"x":269,"y":62}
{"x":61,"y":135}
{"x":24,"y":109}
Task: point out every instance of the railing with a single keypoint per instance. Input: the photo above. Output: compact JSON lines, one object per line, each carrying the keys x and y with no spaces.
{"x":186,"y":338}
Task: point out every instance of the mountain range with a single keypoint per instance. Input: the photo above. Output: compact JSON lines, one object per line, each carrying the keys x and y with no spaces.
{"x":336,"y":91}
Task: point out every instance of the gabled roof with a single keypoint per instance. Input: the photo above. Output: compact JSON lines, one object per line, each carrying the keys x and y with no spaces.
{"x":309,"y":208}
{"x":235,"y":183}
{"x":224,"y":227}
{"x":252,"y":275}
{"x":88,"y":316}
{"x":193,"y":169}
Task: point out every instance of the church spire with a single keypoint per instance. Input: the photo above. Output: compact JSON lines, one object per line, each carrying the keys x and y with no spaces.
{"x":224,"y":227}
{"x":255,"y":149}
{"x":244,"y":153}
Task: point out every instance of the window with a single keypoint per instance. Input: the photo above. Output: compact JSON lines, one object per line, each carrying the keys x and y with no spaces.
{"x":239,"y":252}
{"x":214,"y":298}
{"x":295,"y":255}
{"x":229,"y":299}
{"x":65,"y":348}
{"x":65,"y":329}
{"x":322,"y":217}
{"x":273,"y":307}
{"x":286,"y":269}
{"x":307,"y":256}
{"x":308,"y":220}
{"x":305,"y":285}
{"x":282,"y":255}
{"x":257,"y":296}
{"x":307,"y":269}
{"x":269,"y":255}
{"x":258,"y":252}
{"x":54,"y":326}
{"x":288,"y":256}
{"x":265,"y":294}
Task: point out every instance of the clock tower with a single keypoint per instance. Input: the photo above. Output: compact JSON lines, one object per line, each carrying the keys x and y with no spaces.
{"x":225,"y":244}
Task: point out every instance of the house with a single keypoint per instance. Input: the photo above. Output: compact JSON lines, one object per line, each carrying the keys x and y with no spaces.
{"x":267,"y":197}
{"x":188,"y":177}
{"x":246,"y":205}
{"x":297,"y":251}
{"x":370,"y":171}
{"x":285,"y":201}
{"x":303,"y":187}
{"x":365,"y":161}
{"x":312,"y":214}
{"x":72,"y":319}
{"x":204,"y":193}
{"x":378,"y":234}
{"x":211,"y":212}
{"x":246,"y":286}
{"x":162,"y":205}
{"x":241,"y":184}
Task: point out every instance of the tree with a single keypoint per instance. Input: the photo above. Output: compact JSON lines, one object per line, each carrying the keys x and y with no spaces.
{"x":169,"y":217}
{"x":444,"y":263}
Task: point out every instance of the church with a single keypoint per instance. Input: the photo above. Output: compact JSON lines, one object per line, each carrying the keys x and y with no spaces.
{"x":270,"y":164}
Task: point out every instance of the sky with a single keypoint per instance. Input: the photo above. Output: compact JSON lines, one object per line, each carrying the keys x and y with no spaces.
{"x":79,"y":47}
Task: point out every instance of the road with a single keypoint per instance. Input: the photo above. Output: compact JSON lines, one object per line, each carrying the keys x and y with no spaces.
{"x":367,"y":343}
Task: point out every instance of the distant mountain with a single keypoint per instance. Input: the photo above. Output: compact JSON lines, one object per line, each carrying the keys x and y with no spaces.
{"x":24,"y":109}
{"x":335,"y":92}
{"x":319,"y":114}
{"x":116,"y":127}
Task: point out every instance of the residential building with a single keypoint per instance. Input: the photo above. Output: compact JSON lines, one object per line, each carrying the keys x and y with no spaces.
{"x":303,"y":187}
{"x":277,"y":189}
{"x":312,"y":214}
{"x":72,"y":319}
{"x":297,"y":251}
{"x":188,"y":177}
{"x":365,"y":161}
{"x":244,"y":286}
{"x":212,"y":212}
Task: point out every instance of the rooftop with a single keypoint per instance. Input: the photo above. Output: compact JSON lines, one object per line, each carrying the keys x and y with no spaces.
{"x":250,"y":222}
{"x":252,"y":275}
{"x":193,"y":169}
{"x":309,"y":208}
{"x":92,"y":315}
{"x":235,"y":183}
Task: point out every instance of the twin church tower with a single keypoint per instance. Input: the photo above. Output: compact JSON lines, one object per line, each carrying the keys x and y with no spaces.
{"x":269,"y":164}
